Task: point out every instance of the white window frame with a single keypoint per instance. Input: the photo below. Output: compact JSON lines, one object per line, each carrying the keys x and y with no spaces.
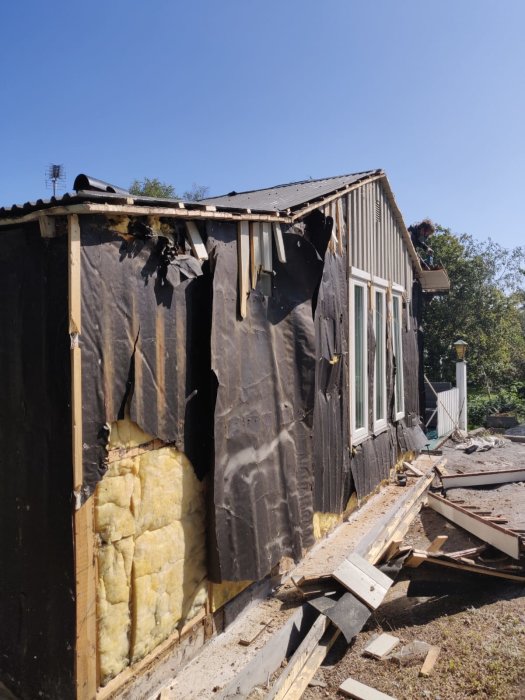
{"x":399,"y":380}
{"x":380,"y":287}
{"x":358,"y":278}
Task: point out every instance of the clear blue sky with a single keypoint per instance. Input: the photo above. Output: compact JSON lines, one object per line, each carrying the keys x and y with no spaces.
{"x":240,"y":94}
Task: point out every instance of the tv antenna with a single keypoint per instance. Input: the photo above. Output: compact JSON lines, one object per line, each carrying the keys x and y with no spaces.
{"x":55,"y":176}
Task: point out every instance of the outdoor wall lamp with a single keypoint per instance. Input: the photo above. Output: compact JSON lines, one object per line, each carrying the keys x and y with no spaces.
{"x":461,"y":349}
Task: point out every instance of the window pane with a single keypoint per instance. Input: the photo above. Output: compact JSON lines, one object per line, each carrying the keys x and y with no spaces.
{"x":359,"y":328}
{"x":380,"y":357}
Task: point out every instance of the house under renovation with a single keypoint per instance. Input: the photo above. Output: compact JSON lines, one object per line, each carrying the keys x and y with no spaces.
{"x":191,"y":392}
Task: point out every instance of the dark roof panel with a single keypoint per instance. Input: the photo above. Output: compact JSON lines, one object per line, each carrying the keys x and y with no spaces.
{"x":289,"y":196}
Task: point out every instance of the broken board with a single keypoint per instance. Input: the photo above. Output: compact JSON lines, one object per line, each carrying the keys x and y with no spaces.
{"x":381,"y":646}
{"x":364,"y":580}
{"x":354,"y":689}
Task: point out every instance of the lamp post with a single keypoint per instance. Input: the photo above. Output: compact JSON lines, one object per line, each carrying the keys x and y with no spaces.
{"x":460,"y":346}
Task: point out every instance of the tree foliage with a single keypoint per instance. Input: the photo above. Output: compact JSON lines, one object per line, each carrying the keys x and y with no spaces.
{"x":485,"y":307}
{"x":153,"y":187}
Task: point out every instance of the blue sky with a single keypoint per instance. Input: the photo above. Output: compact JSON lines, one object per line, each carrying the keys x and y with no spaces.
{"x":243,"y":94}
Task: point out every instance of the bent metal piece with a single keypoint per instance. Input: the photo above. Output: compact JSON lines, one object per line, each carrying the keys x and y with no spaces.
{"x":500,"y":537}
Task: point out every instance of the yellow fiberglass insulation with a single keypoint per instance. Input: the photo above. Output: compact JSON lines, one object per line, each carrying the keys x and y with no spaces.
{"x":149,"y":516}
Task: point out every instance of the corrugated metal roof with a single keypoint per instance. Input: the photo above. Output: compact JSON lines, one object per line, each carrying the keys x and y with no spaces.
{"x":288,"y":196}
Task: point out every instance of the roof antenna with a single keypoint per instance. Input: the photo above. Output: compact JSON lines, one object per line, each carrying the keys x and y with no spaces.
{"x":55,"y":174}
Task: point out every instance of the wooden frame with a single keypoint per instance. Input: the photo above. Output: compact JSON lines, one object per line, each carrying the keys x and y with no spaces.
{"x":499,"y":537}
{"x":83,"y":517}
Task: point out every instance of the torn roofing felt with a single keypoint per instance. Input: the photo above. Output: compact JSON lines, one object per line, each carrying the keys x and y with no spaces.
{"x":265,"y":369}
{"x":145,"y":345}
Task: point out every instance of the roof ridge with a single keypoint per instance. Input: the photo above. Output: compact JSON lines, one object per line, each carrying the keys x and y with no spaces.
{"x":291,"y":184}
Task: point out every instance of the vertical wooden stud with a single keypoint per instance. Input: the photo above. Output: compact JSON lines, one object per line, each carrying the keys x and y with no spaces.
{"x":243,"y":265}
{"x":266,"y":246}
{"x":83,"y":518}
{"x":279,"y":242}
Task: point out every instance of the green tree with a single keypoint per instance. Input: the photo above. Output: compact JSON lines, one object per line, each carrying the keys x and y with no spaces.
{"x":153,"y":187}
{"x":484,"y":307}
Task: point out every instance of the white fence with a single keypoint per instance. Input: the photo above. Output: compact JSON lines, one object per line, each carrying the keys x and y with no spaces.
{"x":447,"y":411}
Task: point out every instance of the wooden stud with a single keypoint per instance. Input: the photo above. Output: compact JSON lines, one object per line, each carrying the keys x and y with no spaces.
{"x":86,"y":602}
{"x":437,"y":544}
{"x":255,"y":252}
{"x":279,"y":242}
{"x":197,"y":246}
{"x":243,"y":266}
{"x":47,"y":226}
{"x":74,"y":274}
{"x":76,"y":420}
{"x":340,"y":225}
{"x":266,"y":247}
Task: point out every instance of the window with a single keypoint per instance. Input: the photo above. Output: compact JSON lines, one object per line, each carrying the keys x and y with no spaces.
{"x":380,"y":421}
{"x":399,"y":401}
{"x":359,"y":357}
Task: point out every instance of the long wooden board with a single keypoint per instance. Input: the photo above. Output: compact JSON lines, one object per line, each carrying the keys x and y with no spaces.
{"x":502,"y":476}
{"x":368,"y":584}
{"x":499,"y":537}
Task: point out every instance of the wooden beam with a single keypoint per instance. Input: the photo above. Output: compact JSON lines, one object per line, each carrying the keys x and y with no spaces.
{"x":47,"y":226}
{"x":195,"y":239}
{"x":76,"y":420}
{"x":301,"y":655}
{"x":243,"y":266}
{"x":499,"y":537}
{"x":109,"y":209}
{"x":450,"y":563}
{"x":255,"y":252}
{"x":266,"y":247}
{"x":468,"y":480}
{"x":74,"y":274}
{"x":86,"y":602}
{"x":279,"y":242}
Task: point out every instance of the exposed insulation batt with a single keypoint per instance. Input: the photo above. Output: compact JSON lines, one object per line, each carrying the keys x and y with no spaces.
{"x":149,"y":516}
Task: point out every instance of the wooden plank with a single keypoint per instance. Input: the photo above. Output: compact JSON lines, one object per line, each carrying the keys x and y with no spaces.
{"x":381,"y":646}
{"x":413,"y":469}
{"x":255,"y":252}
{"x":301,"y":655}
{"x":76,"y":421}
{"x":361,"y":584}
{"x":503,"y":476}
{"x":243,"y":265}
{"x":354,"y":689}
{"x":74,"y":274}
{"x":194,"y":237}
{"x":451,"y":563}
{"x":266,"y":247}
{"x":437,"y":544}
{"x":309,"y":669}
{"x":369,"y":569}
{"x":395,"y":522}
{"x":85,"y":602}
{"x":430,"y":661}
{"x":279,"y":242}
{"x":47,"y":226}
{"x":496,"y":535}
{"x":340,"y":223}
